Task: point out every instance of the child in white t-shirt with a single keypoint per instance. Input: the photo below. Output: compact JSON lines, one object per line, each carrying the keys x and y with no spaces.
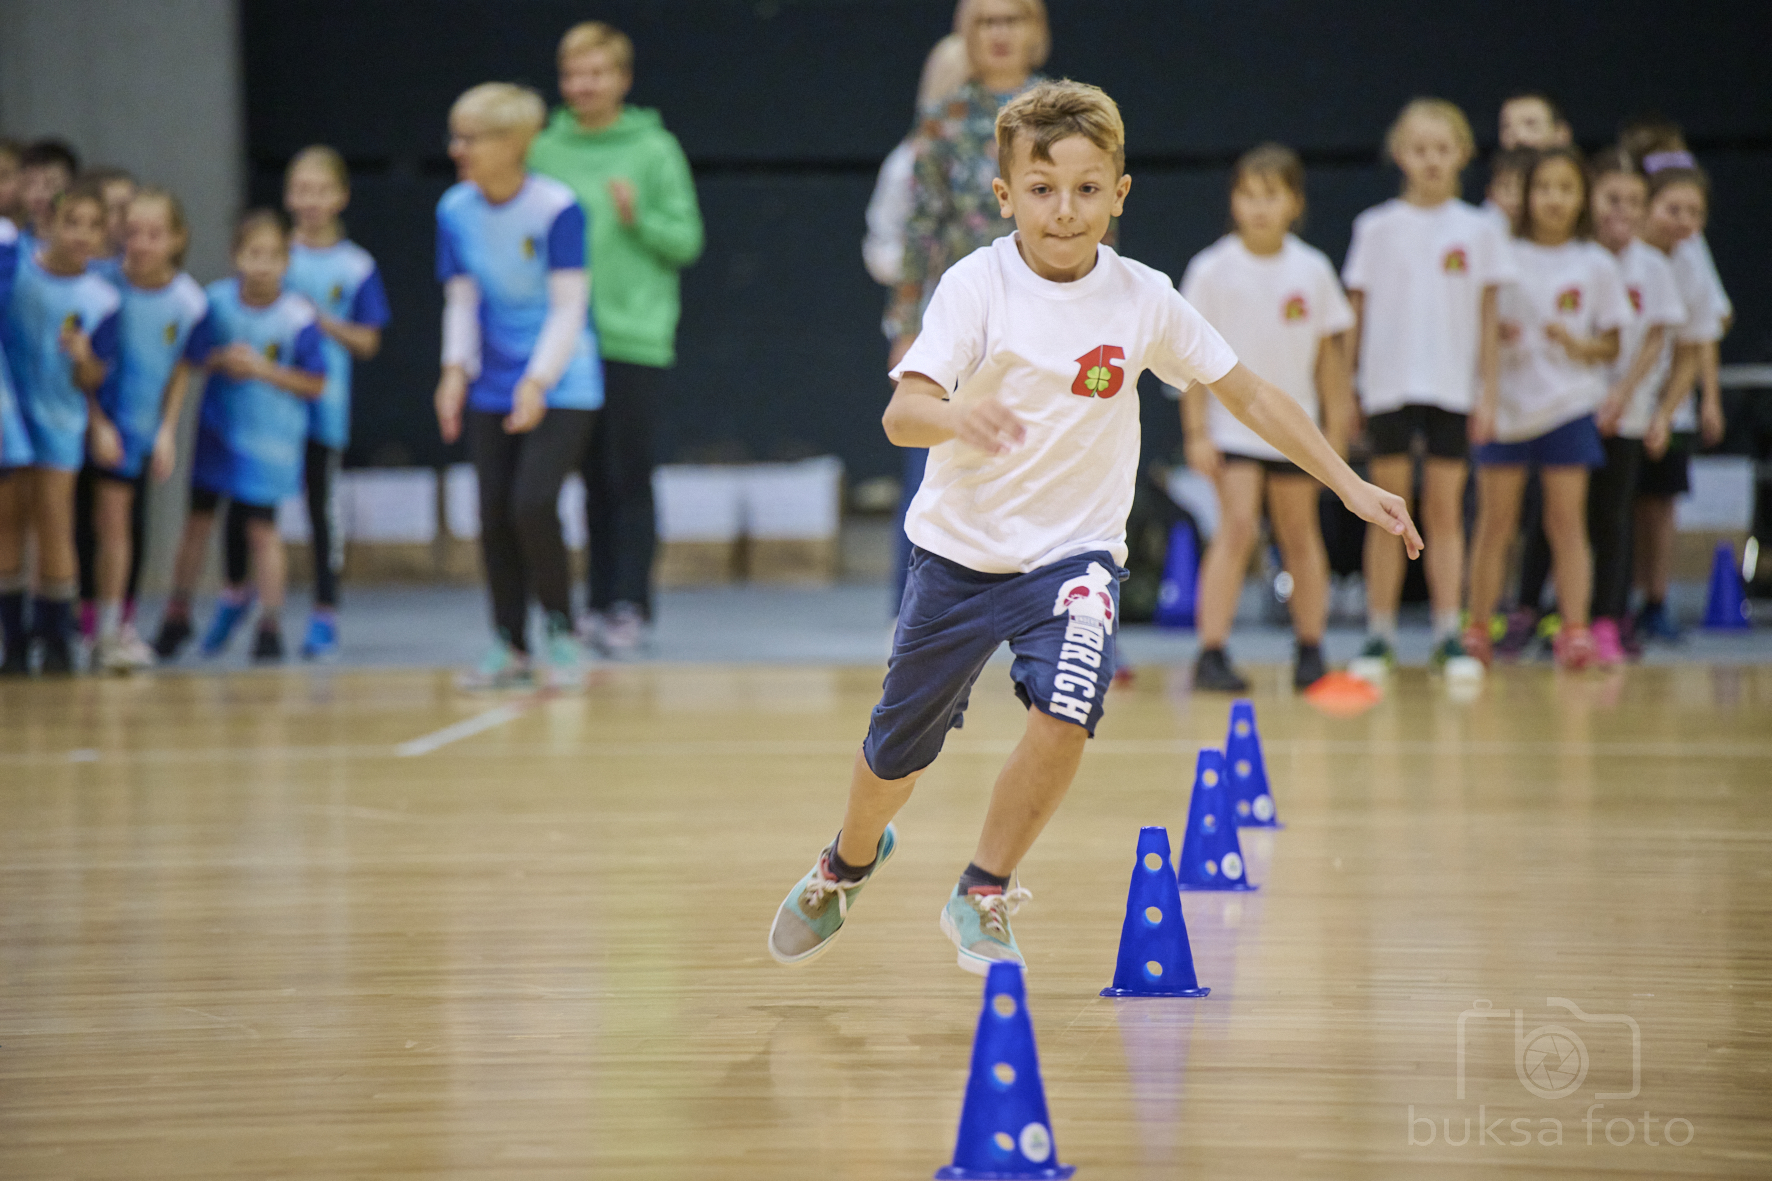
{"x":1422,"y":273}
{"x":1635,"y":382}
{"x":1023,"y":385}
{"x":1560,"y":322}
{"x":1281,"y":309}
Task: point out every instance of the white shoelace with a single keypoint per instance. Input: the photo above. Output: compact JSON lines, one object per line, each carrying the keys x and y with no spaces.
{"x":820,"y":886}
{"x":994,"y":910}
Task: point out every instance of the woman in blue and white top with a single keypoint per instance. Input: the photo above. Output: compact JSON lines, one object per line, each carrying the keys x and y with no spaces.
{"x":521,"y":376}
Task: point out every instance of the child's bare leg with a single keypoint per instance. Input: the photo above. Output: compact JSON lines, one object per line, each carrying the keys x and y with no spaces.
{"x":1499,"y":490}
{"x":1029,"y":789}
{"x":54,"y":519}
{"x":1292,"y":503}
{"x":114,"y":499}
{"x":1384,"y":551}
{"x":1227,"y":557}
{"x":1655,"y":531}
{"x":1442,"y":495}
{"x":873,"y":802}
{"x":14,"y":514}
{"x":1565,"y":525}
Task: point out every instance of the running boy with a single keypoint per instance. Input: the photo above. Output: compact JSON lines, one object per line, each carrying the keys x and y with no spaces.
{"x":1020,"y":524}
{"x":341,"y":280}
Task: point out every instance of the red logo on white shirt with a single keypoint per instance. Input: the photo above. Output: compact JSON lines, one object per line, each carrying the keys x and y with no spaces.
{"x":1295,"y":309}
{"x":1456,"y":262}
{"x":1098,"y":373}
{"x":1569,"y":299}
{"x":1636,"y":299}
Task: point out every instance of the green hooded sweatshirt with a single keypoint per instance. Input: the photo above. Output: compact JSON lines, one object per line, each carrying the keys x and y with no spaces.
{"x":634,"y":299}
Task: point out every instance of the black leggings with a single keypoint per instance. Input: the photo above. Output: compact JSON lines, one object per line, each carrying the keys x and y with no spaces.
{"x":321,"y":476}
{"x":520,"y":542}
{"x":86,"y":529}
{"x":617,"y":472}
{"x":1611,"y":495}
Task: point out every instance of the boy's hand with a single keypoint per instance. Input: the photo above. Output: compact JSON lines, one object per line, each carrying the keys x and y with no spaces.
{"x":239,"y":361}
{"x":1574,"y":346}
{"x":1655,"y":439}
{"x":1610,"y":411}
{"x":1371,"y":503}
{"x":991,"y":427}
{"x":452,"y":395}
{"x":528,"y":403}
{"x":76,"y":344}
{"x":623,"y":194}
{"x":1203,"y":457}
{"x":165,"y":453}
{"x":1481,"y":425}
{"x":103,"y":441}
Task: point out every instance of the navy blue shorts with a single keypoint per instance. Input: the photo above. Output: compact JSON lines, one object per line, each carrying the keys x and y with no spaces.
{"x":1059,"y":621}
{"x":1574,"y":444}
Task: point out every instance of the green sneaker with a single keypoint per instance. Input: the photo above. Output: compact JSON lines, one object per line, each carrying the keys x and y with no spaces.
{"x":1452,"y":659}
{"x":1375,"y":661}
{"x":503,"y":667}
{"x":978,"y":923}
{"x":563,"y":655}
{"x":812,"y":915}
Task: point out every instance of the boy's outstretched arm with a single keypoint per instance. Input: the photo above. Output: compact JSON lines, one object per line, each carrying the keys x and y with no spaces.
{"x":920,"y":415}
{"x":1266,"y":409}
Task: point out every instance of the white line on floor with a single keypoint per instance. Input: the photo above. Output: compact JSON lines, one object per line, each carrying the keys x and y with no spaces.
{"x":466,"y":728}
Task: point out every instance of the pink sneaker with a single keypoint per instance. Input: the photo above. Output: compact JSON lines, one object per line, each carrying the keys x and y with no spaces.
{"x":1608,"y":644}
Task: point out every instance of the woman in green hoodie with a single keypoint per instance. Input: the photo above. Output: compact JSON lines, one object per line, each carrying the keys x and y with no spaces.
{"x":644,"y":226}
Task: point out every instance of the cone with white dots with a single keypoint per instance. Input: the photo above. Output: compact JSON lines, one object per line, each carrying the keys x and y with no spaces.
{"x":1005,"y":1132}
{"x":1211,"y":856}
{"x":1155,"y":956}
{"x":1251,"y":797}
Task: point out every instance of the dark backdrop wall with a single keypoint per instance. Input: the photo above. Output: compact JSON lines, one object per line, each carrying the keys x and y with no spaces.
{"x":786,"y":107}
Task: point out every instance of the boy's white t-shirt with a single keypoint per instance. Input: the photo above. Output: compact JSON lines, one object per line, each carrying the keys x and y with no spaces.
{"x":1273,"y":311}
{"x":1655,"y":300}
{"x":1707,"y":306}
{"x":1422,"y":272}
{"x":1578,"y":286}
{"x":1065,"y":359}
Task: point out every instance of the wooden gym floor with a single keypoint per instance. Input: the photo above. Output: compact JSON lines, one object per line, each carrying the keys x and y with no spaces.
{"x":357,"y":925}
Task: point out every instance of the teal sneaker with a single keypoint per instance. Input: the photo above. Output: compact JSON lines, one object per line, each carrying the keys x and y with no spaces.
{"x":978,"y":923}
{"x":812,"y":915}
{"x":503,"y":667}
{"x":563,"y":655}
{"x":1375,"y":661}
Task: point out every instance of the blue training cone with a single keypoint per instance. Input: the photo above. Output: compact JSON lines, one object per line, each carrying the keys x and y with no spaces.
{"x":1211,"y":856}
{"x":1004,"y":1130}
{"x":1179,"y":589}
{"x":1726,"y":608}
{"x":1250,"y":794}
{"x":1155,"y":958}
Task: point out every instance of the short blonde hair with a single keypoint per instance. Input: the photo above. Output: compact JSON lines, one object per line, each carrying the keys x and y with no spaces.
{"x":1053,"y":111}
{"x":502,"y":106}
{"x":589,"y":35}
{"x":323,"y":156}
{"x":1034,"y":10}
{"x":1432,"y":108}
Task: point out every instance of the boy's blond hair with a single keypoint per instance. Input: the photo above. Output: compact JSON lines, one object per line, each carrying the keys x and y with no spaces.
{"x":591,"y":35}
{"x":1432,"y":108}
{"x":1053,"y":111}
{"x":501,"y":106}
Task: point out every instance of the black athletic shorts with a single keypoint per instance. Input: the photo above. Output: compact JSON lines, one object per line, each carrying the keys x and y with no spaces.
{"x":1394,"y":431}
{"x":205,"y":501}
{"x":1272,"y":467}
{"x":1670,"y":475}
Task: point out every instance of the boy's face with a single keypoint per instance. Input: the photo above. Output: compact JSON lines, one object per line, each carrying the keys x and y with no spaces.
{"x":484,"y":153}
{"x":1431,"y":156}
{"x":118,"y":194}
{"x":313,"y":196}
{"x":1529,"y":123}
{"x":1506,"y":189}
{"x":9,"y":179}
{"x":39,"y":186}
{"x":1263,"y":207}
{"x":262,"y":259}
{"x":1062,"y":206}
{"x":149,"y":239}
{"x":593,"y":85}
{"x":77,"y":232}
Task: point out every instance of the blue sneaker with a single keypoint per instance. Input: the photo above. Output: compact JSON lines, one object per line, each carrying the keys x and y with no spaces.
{"x":1654,"y":623}
{"x":321,"y":642}
{"x":228,"y":614}
{"x":978,"y":923}
{"x":812,"y":915}
{"x":503,"y":667}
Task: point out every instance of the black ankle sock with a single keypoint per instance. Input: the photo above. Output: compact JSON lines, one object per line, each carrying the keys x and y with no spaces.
{"x":12,"y":620}
{"x":50,"y":618}
{"x":846,"y":872}
{"x":1309,"y":649}
{"x":975,"y":876}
